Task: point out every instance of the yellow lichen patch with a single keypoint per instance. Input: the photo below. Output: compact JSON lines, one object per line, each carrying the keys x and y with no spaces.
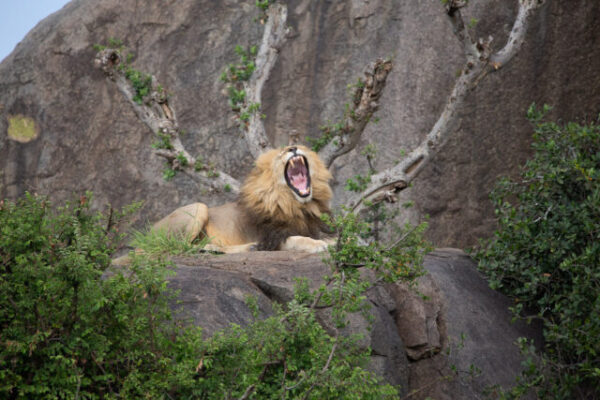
{"x":22,"y":129}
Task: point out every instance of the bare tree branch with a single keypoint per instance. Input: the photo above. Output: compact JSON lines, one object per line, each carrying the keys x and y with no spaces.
{"x":161,"y":119}
{"x":479,"y":62}
{"x":274,"y":37}
{"x":458,"y":24}
{"x":517,"y":34}
{"x":365,"y":103}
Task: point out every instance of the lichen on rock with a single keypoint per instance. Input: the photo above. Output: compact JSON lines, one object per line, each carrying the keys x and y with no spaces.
{"x":22,"y":129}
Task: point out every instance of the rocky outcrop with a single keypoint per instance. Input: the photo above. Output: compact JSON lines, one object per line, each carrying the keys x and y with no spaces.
{"x":451,"y":318}
{"x":476,"y":332}
{"x":82,"y":135}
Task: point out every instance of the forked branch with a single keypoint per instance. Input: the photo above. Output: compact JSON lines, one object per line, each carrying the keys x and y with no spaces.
{"x":365,"y":102}
{"x":153,"y":109}
{"x":479,"y":61}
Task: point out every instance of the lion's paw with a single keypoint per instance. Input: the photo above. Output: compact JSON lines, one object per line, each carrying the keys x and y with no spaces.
{"x":303,"y":243}
{"x":319,"y":246}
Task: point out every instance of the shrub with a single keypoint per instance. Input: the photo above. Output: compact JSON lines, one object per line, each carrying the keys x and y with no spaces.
{"x":71,"y":328}
{"x":68,"y":333}
{"x":546,"y":252}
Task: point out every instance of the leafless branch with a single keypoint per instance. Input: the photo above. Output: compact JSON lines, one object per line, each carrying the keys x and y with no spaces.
{"x":156,"y":112}
{"x":274,"y":37}
{"x":479,"y":62}
{"x":161,"y":119}
{"x":517,"y":34}
{"x":365,"y":103}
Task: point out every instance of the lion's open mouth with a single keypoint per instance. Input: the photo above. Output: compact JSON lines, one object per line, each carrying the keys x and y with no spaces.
{"x":297,"y":175}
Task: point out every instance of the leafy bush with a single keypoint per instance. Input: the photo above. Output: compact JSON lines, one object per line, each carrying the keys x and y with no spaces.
{"x":546,"y":252}
{"x":70,"y":329}
{"x":68,"y":333}
{"x":288,"y":355}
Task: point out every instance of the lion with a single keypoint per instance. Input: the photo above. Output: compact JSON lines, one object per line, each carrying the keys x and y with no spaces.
{"x":279,"y":207}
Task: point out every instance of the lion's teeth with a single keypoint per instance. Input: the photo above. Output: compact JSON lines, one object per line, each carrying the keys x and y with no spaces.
{"x":292,"y":162}
{"x":302,"y":160}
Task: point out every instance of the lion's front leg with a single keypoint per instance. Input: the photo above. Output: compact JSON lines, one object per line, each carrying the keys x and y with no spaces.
{"x":303,"y":243}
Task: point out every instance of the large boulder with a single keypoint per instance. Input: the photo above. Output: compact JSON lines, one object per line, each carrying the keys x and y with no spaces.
{"x":451,"y":318}
{"x":475,"y":331}
{"x":72,"y":130}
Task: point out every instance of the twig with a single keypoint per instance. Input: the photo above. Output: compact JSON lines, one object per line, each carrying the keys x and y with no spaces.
{"x":284,"y":394}
{"x":109,"y":222}
{"x":325,"y":367}
{"x":401,"y":239}
{"x":251,"y":388}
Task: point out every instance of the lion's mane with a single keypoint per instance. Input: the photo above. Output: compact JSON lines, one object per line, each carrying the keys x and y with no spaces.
{"x":273,"y":208}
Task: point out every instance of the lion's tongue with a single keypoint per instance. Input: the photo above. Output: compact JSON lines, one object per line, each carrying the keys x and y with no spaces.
{"x":300,"y":182}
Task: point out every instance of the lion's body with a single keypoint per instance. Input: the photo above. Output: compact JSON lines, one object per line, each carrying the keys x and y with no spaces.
{"x":270,"y":214}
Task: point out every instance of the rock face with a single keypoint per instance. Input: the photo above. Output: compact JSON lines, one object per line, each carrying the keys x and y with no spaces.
{"x":414,"y":339}
{"x":83,"y":135}
{"x":474,"y":328}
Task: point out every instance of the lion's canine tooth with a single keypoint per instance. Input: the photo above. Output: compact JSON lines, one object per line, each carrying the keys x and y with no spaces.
{"x":302,"y":160}
{"x":292,"y":162}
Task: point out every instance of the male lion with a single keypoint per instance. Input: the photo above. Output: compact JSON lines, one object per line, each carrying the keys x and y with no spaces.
{"x":279,"y":207}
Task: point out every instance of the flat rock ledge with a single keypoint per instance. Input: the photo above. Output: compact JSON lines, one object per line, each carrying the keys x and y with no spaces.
{"x":424,"y":340}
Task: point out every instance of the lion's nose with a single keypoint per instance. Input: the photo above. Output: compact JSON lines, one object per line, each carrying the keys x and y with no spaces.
{"x":292,"y":149}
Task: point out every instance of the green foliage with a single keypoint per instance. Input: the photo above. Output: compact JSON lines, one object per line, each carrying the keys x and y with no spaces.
{"x":70,"y":329}
{"x":98,"y":47}
{"x":158,"y":242}
{"x":546,"y":252}
{"x":115,"y":43}
{"x":199,"y":164}
{"x":472,"y":23}
{"x":234,"y":76}
{"x":263,"y":4}
{"x":358,"y":183}
{"x":328,"y":132}
{"x":69,"y":332}
{"x":211,"y":171}
{"x":163,"y":142}
{"x":236,"y":73}
{"x":286,"y":356}
{"x":290,"y":355}
{"x":141,"y":82}
{"x":370,"y":151}
{"x":210,"y":168}
{"x":169,"y":173}
{"x":183,"y":161}
{"x":399,"y":260}
{"x":236,"y":98}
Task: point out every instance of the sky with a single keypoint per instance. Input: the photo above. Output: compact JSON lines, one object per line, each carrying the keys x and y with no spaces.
{"x":18,"y":17}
